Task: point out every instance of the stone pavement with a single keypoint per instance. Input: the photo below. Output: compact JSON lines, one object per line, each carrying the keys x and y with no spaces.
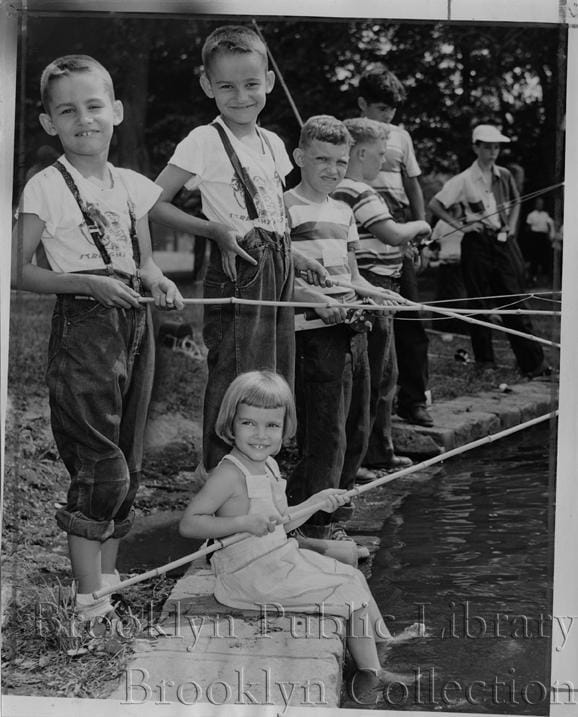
{"x":214,"y":655}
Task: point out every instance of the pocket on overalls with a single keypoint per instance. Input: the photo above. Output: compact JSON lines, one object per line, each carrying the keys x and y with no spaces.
{"x":255,"y":244}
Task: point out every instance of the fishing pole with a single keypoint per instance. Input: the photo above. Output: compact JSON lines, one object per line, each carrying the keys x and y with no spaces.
{"x":306,"y":512}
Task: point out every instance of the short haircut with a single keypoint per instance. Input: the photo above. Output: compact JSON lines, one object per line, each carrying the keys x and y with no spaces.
{"x":324,"y":128}
{"x":232,"y":40}
{"x":69,"y":65}
{"x":261,"y":389}
{"x":363,"y":129}
{"x":378,"y":84}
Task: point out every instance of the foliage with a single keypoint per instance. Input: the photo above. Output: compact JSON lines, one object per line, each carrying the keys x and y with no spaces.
{"x":455,"y":74}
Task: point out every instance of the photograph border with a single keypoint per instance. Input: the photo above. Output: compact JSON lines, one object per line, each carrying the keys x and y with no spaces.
{"x":564,"y":665}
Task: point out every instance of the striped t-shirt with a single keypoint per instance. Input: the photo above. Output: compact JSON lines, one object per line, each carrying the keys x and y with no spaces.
{"x":324,"y":231}
{"x":370,"y":208}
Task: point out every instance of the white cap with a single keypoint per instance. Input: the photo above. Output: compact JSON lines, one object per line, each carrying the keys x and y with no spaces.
{"x":488,"y":133}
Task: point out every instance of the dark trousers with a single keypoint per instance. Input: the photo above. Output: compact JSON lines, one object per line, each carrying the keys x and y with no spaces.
{"x":99,"y":376}
{"x":489,"y":268}
{"x":332,"y":398}
{"x":384,"y":373}
{"x":411,"y":344}
{"x":242,"y":338}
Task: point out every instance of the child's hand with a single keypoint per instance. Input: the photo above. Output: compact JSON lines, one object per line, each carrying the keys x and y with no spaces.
{"x":166,"y":295}
{"x":423,"y":233}
{"x":309,"y":269}
{"x":332,"y":314}
{"x":227,"y":240}
{"x":331,"y":499}
{"x":260,"y":524}
{"x":111,"y":292}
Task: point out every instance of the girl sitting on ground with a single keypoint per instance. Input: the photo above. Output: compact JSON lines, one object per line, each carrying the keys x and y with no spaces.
{"x":246,"y":494}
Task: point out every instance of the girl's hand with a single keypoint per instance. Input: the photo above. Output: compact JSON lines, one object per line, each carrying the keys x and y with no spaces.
{"x":260,"y":524}
{"x":166,"y":295}
{"x":111,"y":292}
{"x":332,"y":498}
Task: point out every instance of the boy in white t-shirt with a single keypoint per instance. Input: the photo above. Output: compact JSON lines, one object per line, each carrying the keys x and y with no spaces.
{"x":91,"y":219}
{"x":240,"y":170}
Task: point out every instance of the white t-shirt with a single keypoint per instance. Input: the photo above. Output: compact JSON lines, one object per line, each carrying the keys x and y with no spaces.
{"x":540,"y":221}
{"x":66,"y":239}
{"x":202,"y":153}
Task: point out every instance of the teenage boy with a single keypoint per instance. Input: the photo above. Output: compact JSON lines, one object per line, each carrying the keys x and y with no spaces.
{"x":489,"y":196}
{"x":382,"y":243}
{"x":380,"y":93}
{"x":332,"y":363}
{"x":91,"y":219}
{"x":240,"y":170}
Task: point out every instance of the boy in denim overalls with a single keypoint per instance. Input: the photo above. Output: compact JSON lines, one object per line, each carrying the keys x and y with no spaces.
{"x":240,"y":169}
{"x":91,"y":219}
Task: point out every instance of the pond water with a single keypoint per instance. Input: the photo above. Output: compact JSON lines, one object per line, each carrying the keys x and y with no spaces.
{"x":469,"y":553}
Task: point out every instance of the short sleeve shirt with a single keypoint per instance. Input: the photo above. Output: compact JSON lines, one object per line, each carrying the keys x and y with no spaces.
{"x":369,"y":208}
{"x":65,"y":237}
{"x":325,"y":232}
{"x":481,"y":201}
{"x":202,"y":154}
{"x":400,"y":159}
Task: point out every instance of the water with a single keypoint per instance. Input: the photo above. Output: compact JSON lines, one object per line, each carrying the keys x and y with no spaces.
{"x":469,"y":552}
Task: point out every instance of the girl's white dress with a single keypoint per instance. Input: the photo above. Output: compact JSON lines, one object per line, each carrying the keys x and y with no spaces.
{"x":273,"y":569}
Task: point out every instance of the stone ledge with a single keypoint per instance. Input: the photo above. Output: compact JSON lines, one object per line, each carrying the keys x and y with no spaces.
{"x":215,"y":654}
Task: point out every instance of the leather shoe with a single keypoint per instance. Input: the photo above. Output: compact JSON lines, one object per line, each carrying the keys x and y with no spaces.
{"x":417,"y":414}
{"x":365,"y":475}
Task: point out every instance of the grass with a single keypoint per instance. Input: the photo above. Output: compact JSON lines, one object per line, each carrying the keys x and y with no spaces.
{"x":35,"y":562}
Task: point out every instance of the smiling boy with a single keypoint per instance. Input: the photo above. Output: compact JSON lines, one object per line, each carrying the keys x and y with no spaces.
{"x":91,"y":219}
{"x":240,"y":170}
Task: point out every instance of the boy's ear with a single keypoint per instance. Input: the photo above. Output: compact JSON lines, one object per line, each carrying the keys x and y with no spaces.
{"x":117,"y":112}
{"x":362,"y":104}
{"x":206,"y":85}
{"x":46,"y":122}
{"x":298,"y":156}
{"x":269,"y":81}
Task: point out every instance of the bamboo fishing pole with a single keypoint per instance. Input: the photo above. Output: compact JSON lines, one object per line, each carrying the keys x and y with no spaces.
{"x":306,"y":512}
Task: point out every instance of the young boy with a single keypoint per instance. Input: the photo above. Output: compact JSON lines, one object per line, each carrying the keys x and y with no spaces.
{"x":240,"y":169}
{"x":331,"y":364}
{"x":382,"y":242}
{"x":489,"y":260}
{"x":379,"y":95}
{"x":91,"y":219}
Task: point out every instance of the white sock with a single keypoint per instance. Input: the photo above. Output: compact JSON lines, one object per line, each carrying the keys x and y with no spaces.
{"x":88,"y":608}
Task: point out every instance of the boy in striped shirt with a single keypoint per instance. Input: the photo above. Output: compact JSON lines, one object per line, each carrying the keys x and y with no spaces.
{"x":382,"y":242}
{"x":331,"y":356}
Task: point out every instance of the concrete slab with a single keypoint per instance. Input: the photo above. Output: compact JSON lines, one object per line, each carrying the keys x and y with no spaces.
{"x":208,"y":653}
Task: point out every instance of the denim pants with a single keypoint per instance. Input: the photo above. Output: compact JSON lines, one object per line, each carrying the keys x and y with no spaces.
{"x":384,"y":373}
{"x":242,"y":338}
{"x":332,"y":396}
{"x":99,"y":376}
{"x":490,"y":267}
{"x":411,"y":344}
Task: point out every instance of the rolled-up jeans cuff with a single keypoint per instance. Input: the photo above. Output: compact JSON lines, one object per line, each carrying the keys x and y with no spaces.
{"x":78,"y":524}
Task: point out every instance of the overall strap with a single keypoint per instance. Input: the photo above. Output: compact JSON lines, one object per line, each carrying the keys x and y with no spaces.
{"x":95,"y":231}
{"x":257,"y":485}
{"x":249,"y":189}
